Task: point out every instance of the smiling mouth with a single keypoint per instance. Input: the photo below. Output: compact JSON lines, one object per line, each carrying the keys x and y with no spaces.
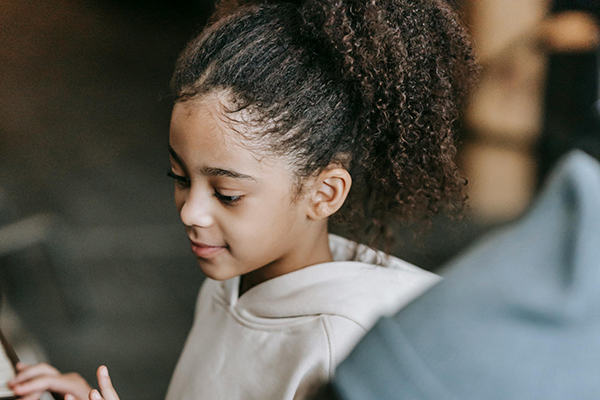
{"x":206,"y":251}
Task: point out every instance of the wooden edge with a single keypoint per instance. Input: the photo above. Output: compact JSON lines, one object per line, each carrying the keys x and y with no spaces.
{"x":10,"y":351}
{"x":12,"y":356}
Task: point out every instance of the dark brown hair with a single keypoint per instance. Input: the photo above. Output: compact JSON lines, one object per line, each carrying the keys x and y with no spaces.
{"x":375,"y":85}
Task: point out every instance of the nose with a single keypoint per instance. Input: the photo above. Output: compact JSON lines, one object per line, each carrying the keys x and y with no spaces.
{"x":196,"y":211}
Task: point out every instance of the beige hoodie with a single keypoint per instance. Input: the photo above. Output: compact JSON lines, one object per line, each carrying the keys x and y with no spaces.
{"x":286,"y":335}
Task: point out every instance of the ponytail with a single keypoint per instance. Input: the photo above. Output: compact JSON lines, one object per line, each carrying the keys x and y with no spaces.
{"x":410,"y":64}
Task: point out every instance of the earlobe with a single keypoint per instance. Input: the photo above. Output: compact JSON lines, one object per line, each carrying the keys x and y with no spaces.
{"x":329,"y":193}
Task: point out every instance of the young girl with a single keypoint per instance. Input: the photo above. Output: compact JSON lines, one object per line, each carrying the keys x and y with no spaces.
{"x":280,"y":109}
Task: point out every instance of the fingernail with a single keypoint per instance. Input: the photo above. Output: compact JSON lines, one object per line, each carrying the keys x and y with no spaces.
{"x":96,"y":395}
{"x":104,"y":371}
{"x":69,"y":397}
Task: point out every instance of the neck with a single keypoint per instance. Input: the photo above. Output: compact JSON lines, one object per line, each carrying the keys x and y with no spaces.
{"x":309,"y":252}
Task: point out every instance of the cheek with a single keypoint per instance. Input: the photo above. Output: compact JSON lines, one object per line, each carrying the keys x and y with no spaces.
{"x":267,"y":227}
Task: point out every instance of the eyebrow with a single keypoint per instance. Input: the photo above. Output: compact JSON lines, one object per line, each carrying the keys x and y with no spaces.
{"x":213,"y":171}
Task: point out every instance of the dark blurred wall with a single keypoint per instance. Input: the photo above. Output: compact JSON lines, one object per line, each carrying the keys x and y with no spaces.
{"x":571,"y":118}
{"x":571,"y":97}
{"x":84,"y":116}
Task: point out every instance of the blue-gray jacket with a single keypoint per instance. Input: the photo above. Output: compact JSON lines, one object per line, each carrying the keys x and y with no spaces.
{"x":517,"y":317}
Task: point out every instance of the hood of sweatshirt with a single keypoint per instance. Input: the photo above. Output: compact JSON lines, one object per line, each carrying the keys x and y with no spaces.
{"x":360,"y":284}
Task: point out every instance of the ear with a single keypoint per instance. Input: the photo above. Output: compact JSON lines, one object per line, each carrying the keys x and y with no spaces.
{"x":329,"y":192}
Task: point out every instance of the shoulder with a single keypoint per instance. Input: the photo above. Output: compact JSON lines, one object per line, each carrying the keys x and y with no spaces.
{"x":384,"y":281}
{"x":342,"y":335}
{"x":377,"y":291}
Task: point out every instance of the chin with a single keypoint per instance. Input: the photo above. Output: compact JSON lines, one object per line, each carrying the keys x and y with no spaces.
{"x":216,"y":272}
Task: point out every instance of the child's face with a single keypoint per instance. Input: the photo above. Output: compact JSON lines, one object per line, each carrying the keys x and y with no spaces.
{"x":238,"y":208}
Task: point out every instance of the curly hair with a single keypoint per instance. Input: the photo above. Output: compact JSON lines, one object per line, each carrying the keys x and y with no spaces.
{"x":373,"y":85}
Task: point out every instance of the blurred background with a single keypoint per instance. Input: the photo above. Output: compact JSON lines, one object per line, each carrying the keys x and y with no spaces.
{"x":94,"y":265}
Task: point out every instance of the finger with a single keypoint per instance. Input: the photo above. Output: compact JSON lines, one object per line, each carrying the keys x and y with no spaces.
{"x":60,"y":384}
{"x":69,"y":397}
{"x":40,"y":384}
{"x":21,"y":366}
{"x":32,"y":396}
{"x":31,"y":372}
{"x":95,"y":395}
{"x":106,"y":387}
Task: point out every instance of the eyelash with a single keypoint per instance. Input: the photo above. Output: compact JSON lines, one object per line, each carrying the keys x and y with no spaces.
{"x":180,"y":180}
{"x":185,"y":183}
{"x":227,"y":200}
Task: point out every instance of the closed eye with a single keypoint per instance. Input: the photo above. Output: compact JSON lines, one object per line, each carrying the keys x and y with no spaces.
{"x":227,"y":200}
{"x":180,"y":180}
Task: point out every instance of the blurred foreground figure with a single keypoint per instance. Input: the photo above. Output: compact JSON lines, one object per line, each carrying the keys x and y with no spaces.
{"x":517,"y":317}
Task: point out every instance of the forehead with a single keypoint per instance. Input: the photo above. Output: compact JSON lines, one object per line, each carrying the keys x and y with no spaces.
{"x":203,"y":134}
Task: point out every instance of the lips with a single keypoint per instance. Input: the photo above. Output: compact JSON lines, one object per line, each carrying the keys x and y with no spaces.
{"x":206,"y":251}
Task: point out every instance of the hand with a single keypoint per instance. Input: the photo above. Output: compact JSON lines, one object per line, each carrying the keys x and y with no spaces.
{"x":106,"y":387}
{"x":32,"y":381}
